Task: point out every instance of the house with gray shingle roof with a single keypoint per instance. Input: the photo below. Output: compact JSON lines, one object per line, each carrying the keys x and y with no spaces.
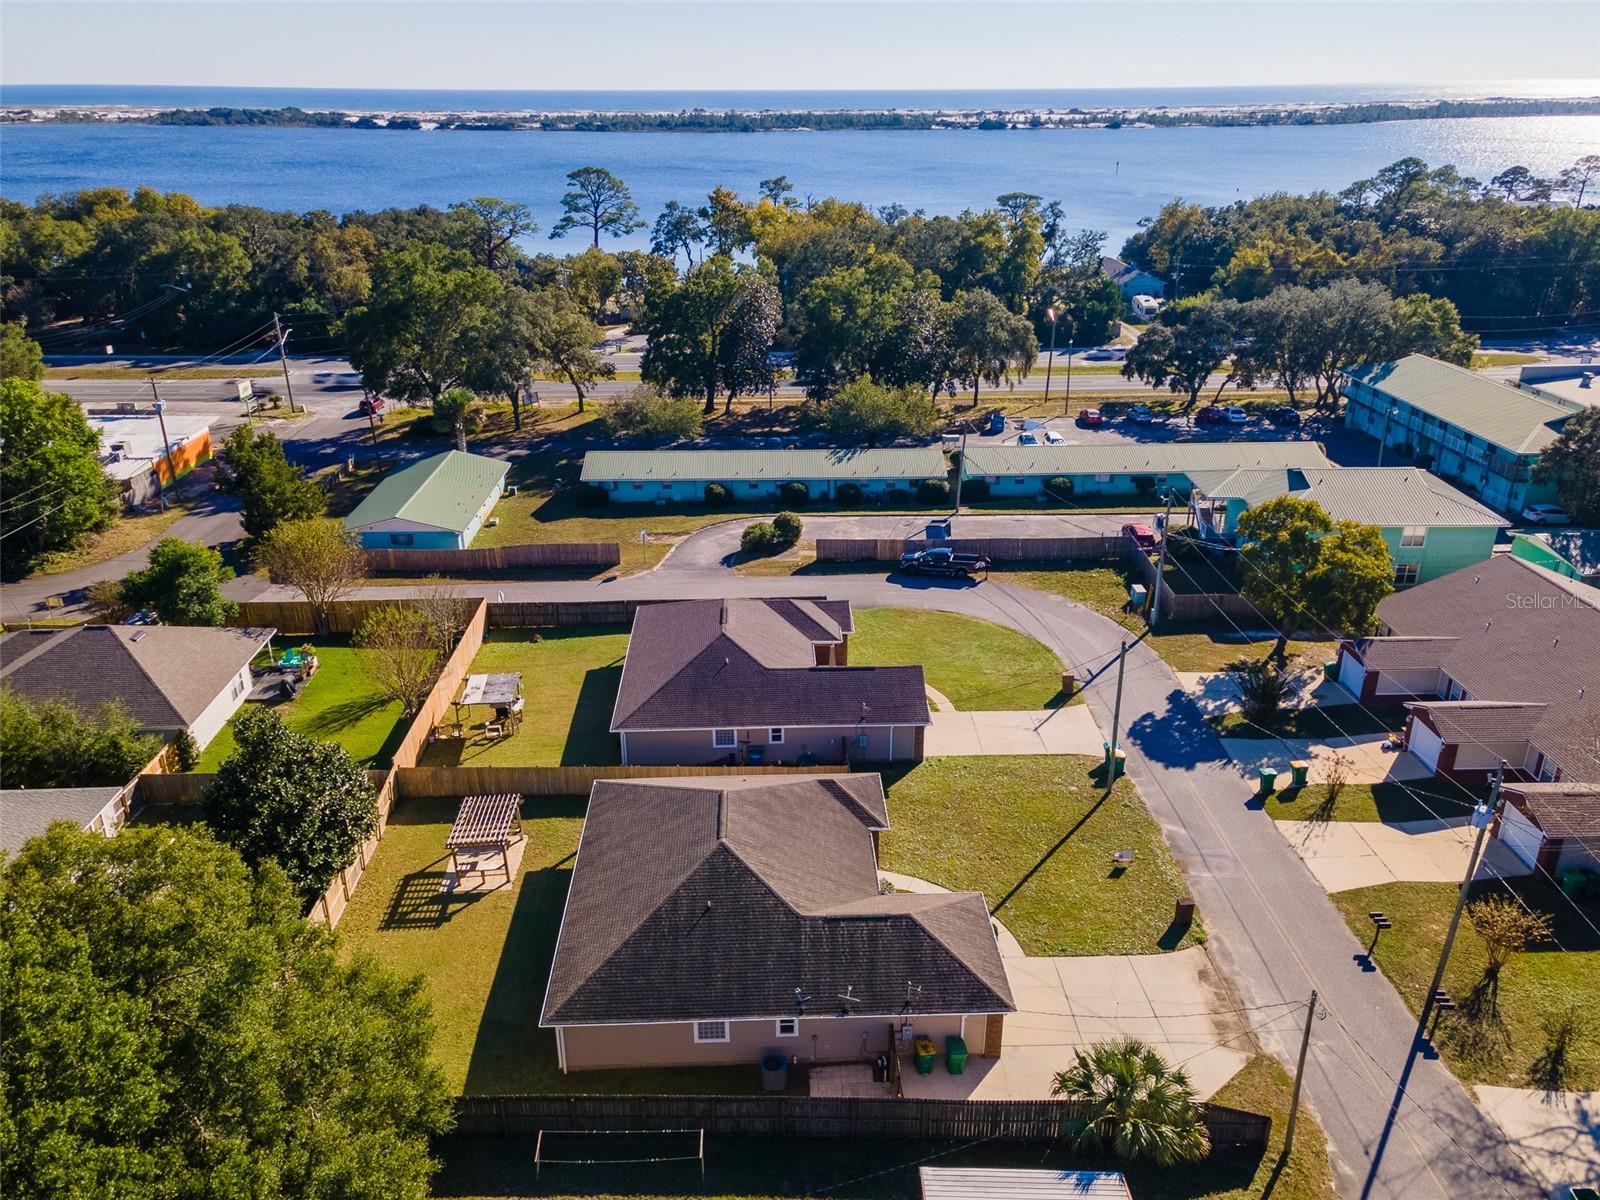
{"x":1495,"y":663}
{"x":170,"y":678}
{"x":1481,"y":434}
{"x":759,"y":682}
{"x":25,"y":813}
{"x":439,"y":503}
{"x":711,"y":921}
{"x":1431,"y":528}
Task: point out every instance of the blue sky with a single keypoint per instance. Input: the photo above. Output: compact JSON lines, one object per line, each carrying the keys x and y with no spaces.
{"x":784,"y":44}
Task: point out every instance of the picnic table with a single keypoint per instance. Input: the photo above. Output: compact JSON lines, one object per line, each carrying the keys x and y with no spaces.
{"x":501,"y":691}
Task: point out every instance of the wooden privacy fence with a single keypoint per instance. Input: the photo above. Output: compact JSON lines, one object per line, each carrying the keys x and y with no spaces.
{"x":417,"y":782}
{"x":330,"y":906}
{"x":1199,"y":606}
{"x":444,"y":688}
{"x":496,"y":558}
{"x":566,"y":614}
{"x":295,"y":618}
{"x":811,"y":1116}
{"x":995,"y":549}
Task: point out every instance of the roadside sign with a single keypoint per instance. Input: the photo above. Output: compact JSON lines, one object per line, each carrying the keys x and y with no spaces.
{"x":247,"y":391}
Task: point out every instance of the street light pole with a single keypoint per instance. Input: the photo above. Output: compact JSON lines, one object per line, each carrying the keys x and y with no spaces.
{"x":160,"y":406}
{"x":1072,"y":336}
{"x":1050,"y":362}
{"x":283,"y":359}
{"x":961,"y":468}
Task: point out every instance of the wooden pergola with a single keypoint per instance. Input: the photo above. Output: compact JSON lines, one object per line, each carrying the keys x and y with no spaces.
{"x":486,"y":823}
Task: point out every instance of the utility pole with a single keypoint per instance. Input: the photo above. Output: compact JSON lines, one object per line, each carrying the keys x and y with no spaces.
{"x":1483,"y":817}
{"x":1072,"y":336}
{"x":961,"y":467}
{"x":1299,"y":1074}
{"x":283,"y":359}
{"x":160,"y":406}
{"x":1050,"y":362}
{"x":1116,"y":718}
{"x":1153,"y":601}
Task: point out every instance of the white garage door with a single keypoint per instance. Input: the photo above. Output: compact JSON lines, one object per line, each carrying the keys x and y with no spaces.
{"x":1424,"y":743}
{"x":1351,"y":674}
{"x":1521,"y":834}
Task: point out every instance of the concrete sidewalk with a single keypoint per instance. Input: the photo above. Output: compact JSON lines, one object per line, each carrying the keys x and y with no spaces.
{"x":1557,"y":1135}
{"x":1353,"y":854}
{"x":1070,"y":730}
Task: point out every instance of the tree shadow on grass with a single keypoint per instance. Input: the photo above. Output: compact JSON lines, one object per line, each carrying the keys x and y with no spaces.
{"x":589,"y":740}
{"x":337,"y":718}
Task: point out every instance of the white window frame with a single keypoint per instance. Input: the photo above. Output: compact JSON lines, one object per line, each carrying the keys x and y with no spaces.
{"x":1405,"y":574}
{"x":731,"y":744}
{"x":698,"y":1026}
{"x":402,"y":539}
{"x":786,"y":1027}
{"x":775,"y":736}
{"x":1414,"y":535}
{"x":1102,"y":477}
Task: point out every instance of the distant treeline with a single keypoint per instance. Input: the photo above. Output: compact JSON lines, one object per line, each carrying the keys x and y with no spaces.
{"x":706,"y":121}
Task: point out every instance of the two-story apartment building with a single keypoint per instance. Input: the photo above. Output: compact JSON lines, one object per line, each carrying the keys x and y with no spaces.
{"x":1479,"y":434}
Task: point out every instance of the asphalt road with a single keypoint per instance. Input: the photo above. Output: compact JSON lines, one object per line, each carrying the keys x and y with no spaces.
{"x":1271,"y":927}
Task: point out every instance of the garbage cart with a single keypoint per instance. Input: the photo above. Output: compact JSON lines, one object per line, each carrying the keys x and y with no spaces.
{"x":926,"y":1052}
{"x":955,"y":1054}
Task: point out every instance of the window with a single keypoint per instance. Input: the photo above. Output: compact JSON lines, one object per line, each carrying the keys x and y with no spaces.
{"x":787,"y":1027}
{"x":237,"y":689}
{"x":1413,"y":535}
{"x":1103,"y":477}
{"x":1548,"y":771}
{"x":774,"y":737}
{"x":638,"y":487}
{"x":724,"y":739}
{"x":400,"y":539}
{"x":1405,"y":574}
{"x":710,"y":1031}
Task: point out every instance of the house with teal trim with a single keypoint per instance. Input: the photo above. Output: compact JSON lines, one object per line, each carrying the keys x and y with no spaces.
{"x":1431,"y":528}
{"x":439,"y":503}
{"x":1574,"y":553}
{"x":1124,"y":469}
{"x":1482,"y":435}
{"x":681,"y":476}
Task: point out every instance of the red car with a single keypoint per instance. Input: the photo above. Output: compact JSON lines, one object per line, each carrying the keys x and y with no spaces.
{"x":1143,"y":536}
{"x":370,"y":404}
{"x":1211,"y":415}
{"x":1090,"y":418}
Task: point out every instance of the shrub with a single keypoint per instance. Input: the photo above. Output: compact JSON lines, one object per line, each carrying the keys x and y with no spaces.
{"x":794,"y":493}
{"x":1059,"y":487}
{"x":758,"y":538}
{"x":786,"y":528}
{"x":933,"y":491}
{"x":897,"y":495}
{"x":864,"y":413}
{"x":975,"y":489}
{"x":186,"y":750}
{"x":1144,"y":484}
{"x":646,"y":413}
{"x":718,"y":496}
{"x":849,"y":493}
{"x":592,"y":495}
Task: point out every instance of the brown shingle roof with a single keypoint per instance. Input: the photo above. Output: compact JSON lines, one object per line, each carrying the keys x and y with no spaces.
{"x":1403,"y":653}
{"x":1563,"y":810}
{"x":165,"y":675}
{"x":1482,"y":721}
{"x":1523,"y":635}
{"x":701,"y":898}
{"x":712,"y":664}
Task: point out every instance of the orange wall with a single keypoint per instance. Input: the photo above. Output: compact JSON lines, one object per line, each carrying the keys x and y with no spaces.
{"x":186,"y":457}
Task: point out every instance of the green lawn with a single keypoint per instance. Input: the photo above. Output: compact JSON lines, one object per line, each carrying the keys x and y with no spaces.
{"x":129,"y":532}
{"x":1035,"y":835}
{"x":979,"y":665}
{"x":749,"y":1168}
{"x":1510,"y":1048}
{"x":1184,"y":646}
{"x":1419,"y":800}
{"x":569,"y":680}
{"x":1323,"y":722}
{"x":339,"y":704}
{"x":485,"y":959}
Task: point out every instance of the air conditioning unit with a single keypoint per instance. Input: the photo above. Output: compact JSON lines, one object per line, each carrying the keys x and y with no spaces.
{"x":511,"y":489}
{"x":493,"y":521}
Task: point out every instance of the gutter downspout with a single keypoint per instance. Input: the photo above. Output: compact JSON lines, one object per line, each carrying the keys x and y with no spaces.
{"x":561,"y":1048}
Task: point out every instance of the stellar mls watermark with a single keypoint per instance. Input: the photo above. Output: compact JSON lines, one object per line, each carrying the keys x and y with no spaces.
{"x":1543,"y":601}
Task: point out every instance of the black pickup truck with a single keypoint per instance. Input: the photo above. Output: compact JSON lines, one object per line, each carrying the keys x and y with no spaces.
{"x":943,"y":561}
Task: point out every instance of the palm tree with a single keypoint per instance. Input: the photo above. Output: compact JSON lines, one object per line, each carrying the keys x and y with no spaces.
{"x":1135,"y":1105}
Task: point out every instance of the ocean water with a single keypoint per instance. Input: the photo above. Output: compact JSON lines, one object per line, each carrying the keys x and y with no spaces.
{"x":1107,"y":179}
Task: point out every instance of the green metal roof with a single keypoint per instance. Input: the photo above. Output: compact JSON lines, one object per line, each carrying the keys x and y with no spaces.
{"x":1384,"y":496}
{"x":1498,"y":413}
{"x":1165,"y":458}
{"x":711,"y":466}
{"x":445,"y":492}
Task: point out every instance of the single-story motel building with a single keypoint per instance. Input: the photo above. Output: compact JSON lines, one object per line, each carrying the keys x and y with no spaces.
{"x":439,"y":503}
{"x":1481,"y":434}
{"x":1431,"y":529}
{"x":1128,"y":468}
{"x":677,"y":476}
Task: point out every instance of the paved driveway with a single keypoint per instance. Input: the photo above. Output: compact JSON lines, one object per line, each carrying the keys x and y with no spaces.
{"x":1068,"y":730}
{"x":1558,"y":1135}
{"x":1352,"y":854}
{"x":1368,"y":761}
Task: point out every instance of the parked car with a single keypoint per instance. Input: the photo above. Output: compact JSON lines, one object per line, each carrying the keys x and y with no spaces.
{"x":1140,"y":414}
{"x":370,"y":404}
{"x":1028,"y":439}
{"x":941,"y":560}
{"x":1106,"y":354}
{"x":1545,"y":514}
{"x":1236,"y":415}
{"x":996,"y":422}
{"x":1052,"y":438}
{"x":1211,"y":415}
{"x":1143,"y":536}
{"x":1091,"y":418}
{"x":1286,"y":416}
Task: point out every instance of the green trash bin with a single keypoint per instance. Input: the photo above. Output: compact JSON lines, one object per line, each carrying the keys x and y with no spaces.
{"x":955,"y":1054}
{"x":1268,"y":781}
{"x":926,"y":1052}
{"x":1297,"y":773}
{"x":1330,"y":670}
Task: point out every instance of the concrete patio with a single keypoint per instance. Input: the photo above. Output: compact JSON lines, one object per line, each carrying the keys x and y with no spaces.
{"x":1352,"y":854}
{"x":1069,"y":730}
{"x":1558,"y":1136}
